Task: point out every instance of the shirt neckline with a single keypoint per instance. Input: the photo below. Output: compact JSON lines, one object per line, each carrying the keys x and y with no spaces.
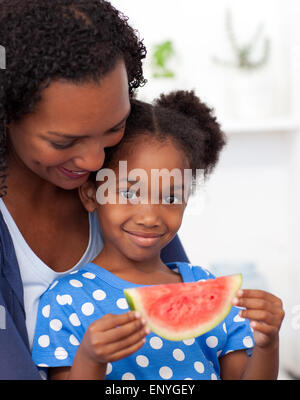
{"x":119,"y":283}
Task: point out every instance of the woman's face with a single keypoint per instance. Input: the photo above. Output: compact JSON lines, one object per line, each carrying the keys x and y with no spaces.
{"x":65,"y":137}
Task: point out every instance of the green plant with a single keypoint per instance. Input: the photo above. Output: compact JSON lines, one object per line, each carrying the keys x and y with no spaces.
{"x":162,"y":53}
{"x":243,"y":54}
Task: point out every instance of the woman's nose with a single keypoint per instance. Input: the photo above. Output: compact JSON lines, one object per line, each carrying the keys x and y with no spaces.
{"x":91,"y":159}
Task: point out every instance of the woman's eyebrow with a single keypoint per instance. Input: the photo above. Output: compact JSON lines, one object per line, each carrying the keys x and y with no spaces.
{"x":72,"y":136}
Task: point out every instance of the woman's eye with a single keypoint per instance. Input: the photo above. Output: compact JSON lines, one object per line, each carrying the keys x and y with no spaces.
{"x":117,"y":129}
{"x":61,"y":146}
{"x":128,"y":194}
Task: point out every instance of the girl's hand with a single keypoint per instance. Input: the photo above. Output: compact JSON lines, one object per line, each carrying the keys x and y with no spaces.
{"x":265,"y":312}
{"x":114,"y":337}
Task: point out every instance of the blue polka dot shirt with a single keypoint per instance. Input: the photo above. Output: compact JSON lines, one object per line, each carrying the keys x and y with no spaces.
{"x":72,"y":302}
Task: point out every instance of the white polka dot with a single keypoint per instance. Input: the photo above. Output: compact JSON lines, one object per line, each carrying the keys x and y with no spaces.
{"x":44,"y":340}
{"x":224,"y":327}
{"x":56,"y":324}
{"x":156,"y":343}
{"x":199,"y":367}
{"x":122,"y":303}
{"x":189,"y":342}
{"x":128,"y":376}
{"x":46,"y":311}
{"x":75,"y":283}
{"x":142,"y":361}
{"x":53,"y":285}
{"x":247,"y":341}
{"x":99,"y":294}
{"x":60,"y":353}
{"x":87,"y":309}
{"x":219,"y":352}
{"x":108,"y":368}
{"x":73,"y":318}
{"x":212,"y":341}
{"x":178,"y":354}
{"x":43,"y":365}
{"x":73,"y":340}
{"x":64,"y":299}
{"x":188,"y":379}
{"x":74,"y":272}
{"x":89,"y":275}
{"x":165,"y":372}
{"x":213,"y":377}
{"x":238,"y":318}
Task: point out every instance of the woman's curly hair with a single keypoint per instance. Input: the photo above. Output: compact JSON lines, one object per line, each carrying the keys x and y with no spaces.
{"x":77,"y":40}
{"x":181,"y":117}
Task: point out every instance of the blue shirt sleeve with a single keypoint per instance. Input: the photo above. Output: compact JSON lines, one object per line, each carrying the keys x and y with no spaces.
{"x":239,"y":333}
{"x":59,"y":329}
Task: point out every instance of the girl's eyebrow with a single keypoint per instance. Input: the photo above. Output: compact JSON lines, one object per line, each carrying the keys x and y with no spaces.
{"x":72,"y":136}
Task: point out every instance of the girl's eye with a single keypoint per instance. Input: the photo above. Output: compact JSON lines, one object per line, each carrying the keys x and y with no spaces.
{"x":62,"y":146}
{"x":128,"y":194}
{"x":171,"y":200}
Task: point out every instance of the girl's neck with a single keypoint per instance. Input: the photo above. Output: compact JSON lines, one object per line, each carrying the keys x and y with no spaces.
{"x":146,"y":272}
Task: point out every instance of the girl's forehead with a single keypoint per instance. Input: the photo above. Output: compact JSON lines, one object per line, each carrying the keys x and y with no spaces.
{"x":150,"y":153}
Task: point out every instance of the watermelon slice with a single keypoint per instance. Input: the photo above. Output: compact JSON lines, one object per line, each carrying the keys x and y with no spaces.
{"x":179,"y":311}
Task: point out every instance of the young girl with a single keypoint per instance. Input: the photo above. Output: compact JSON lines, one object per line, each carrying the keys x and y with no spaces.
{"x":85,"y":329}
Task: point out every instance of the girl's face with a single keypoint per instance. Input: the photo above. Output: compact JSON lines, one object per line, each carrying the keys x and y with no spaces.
{"x":139,"y":231}
{"x":65,"y":137}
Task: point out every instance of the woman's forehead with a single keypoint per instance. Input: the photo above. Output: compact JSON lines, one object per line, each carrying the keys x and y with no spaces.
{"x":65,"y":104}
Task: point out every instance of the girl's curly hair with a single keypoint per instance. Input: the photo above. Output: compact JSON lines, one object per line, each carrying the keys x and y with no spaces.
{"x":77,"y":40}
{"x":181,"y":117}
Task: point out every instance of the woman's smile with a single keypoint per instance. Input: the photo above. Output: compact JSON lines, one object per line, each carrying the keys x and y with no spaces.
{"x":73,"y":174}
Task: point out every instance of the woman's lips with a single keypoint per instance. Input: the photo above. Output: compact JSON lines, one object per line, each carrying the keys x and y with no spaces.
{"x":144,"y":239}
{"x":73,"y":174}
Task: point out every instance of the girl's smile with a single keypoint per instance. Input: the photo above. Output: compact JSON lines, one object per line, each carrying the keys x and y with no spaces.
{"x":144,"y":239}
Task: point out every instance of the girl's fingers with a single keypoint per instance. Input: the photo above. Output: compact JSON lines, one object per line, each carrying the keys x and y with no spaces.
{"x":110,"y":321}
{"x":128,"y":342}
{"x":118,"y":355}
{"x":260,"y":315}
{"x":121,"y":333}
{"x":259,"y":294}
{"x":258,"y":300}
{"x":264,"y":328}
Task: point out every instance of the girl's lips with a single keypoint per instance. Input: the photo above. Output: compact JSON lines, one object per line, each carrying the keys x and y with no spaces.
{"x":73,"y":174}
{"x":144,"y":239}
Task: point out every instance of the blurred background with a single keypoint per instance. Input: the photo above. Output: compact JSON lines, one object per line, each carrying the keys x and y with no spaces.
{"x":243,"y":58}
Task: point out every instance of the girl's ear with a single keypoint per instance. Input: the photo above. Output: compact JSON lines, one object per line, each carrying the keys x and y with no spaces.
{"x":87,"y":194}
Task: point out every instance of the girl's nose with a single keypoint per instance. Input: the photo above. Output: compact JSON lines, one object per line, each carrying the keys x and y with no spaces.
{"x":148,"y":216}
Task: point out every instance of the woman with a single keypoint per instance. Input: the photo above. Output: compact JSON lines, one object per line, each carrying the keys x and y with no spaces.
{"x":71,"y":67}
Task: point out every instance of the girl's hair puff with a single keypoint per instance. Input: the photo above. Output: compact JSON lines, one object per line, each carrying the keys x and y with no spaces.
{"x":179,"y":116}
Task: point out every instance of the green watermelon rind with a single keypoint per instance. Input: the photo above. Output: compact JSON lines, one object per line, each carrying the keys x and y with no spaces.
{"x":135,"y":303}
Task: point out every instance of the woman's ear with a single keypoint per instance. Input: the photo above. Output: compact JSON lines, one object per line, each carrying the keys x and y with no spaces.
{"x":87,"y":194}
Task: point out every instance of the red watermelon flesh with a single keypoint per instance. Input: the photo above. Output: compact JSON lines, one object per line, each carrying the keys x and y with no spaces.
{"x":179,"y":311}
